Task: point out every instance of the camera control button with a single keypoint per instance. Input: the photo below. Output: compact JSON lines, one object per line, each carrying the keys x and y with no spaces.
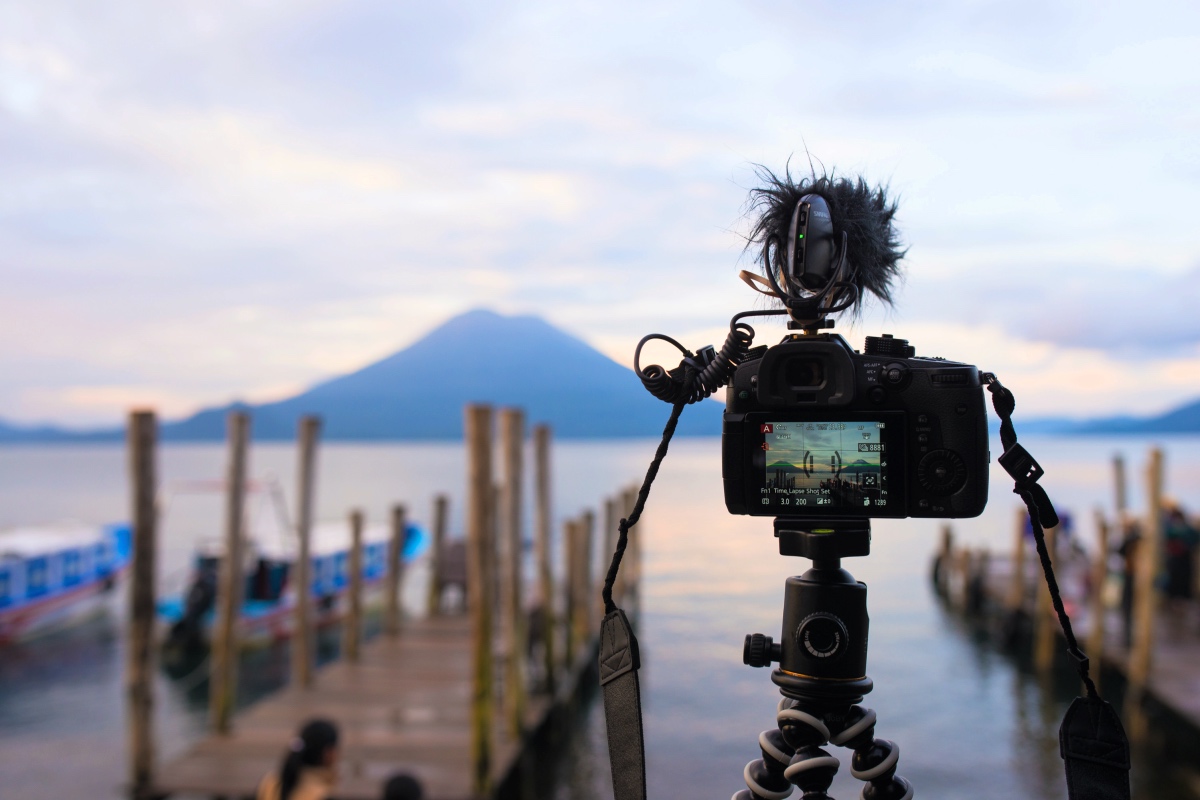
{"x":895,"y":373}
{"x":877,"y":394}
{"x":941,"y":472}
{"x":923,"y":438}
{"x":922,"y":419}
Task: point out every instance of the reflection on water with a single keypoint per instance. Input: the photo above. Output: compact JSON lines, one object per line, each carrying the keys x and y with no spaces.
{"x":968,"y":720}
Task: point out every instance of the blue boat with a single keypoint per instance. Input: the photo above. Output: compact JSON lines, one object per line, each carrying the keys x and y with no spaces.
{"x":53,"y":577}
{"x":268,"y":594}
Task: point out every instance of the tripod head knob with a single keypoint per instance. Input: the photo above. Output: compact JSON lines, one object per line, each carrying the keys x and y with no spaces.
{"x":823,"y":540}
{"x":760,"y":650}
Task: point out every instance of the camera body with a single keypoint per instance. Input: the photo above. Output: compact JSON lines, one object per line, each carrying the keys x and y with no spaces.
{"x":815,"y":429}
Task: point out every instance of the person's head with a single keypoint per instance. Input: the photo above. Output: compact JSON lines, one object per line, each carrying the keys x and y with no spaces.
{"x":314,"y":746}
{"x":402,"y":787}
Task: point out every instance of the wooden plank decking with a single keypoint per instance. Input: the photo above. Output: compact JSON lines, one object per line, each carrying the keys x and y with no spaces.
{"x":405,"y":706}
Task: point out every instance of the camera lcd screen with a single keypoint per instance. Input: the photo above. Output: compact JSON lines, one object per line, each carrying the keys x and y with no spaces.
{"x":826,"y":466}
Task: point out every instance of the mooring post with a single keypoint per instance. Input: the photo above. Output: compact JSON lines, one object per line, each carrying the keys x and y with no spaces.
{"x":493,"y":564}
{"x":395,"y":571}
{"x":437,"y":562}
{"x":542,"y":526}
{"x":303,"y":642}
{"x":609,"y":544}
{"x":1095,"y":640}
{"x":1016,"y":591}
{"x":571,"y":542}
{"x":1119,"y":495}
{"x":512,"y":446}
{"x":142,"y":440}
{"x":633,"y":551}
{"x":945,"y":562}
{"x":352,"y":627}
{"x":1045,"y":620}
{"x":479,"y":595}
{"x":585,"y":605}
{"x":1145,"y":600}
{"x":223,"y":681}
{"x":963,"y":567}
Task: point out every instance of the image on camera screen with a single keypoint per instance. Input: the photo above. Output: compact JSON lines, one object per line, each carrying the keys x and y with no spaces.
{"x":832,"y":464}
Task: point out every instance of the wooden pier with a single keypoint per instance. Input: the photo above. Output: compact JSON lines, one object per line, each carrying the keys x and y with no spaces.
{"x":405,"y":706}
{"x":1148,"y":654}
{"x":454,"y":700}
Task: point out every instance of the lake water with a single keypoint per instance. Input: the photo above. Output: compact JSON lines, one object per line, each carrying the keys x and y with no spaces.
{"x":967,"y":720}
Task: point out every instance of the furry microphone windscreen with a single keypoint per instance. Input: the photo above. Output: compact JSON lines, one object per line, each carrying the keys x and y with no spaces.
{"x":864,"y":213}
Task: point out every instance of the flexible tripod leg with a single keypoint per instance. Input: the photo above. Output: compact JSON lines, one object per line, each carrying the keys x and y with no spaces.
{"x":874,"y":760}
{"x":792,"y":755}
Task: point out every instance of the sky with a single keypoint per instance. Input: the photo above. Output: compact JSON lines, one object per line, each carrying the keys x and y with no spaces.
{"x":203,"y":201}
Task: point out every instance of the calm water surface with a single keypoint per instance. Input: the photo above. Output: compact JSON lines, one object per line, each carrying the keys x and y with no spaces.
{"x":969,"y":723}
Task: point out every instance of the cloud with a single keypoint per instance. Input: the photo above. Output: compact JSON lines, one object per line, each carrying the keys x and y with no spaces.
{"x":222,"y":198}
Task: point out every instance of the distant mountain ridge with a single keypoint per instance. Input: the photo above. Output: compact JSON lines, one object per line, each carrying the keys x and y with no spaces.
{"x":419,"y":392}
{"x":480,"y":356}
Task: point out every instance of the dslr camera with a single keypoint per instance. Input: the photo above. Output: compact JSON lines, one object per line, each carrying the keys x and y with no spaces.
{"x":813,"y":428}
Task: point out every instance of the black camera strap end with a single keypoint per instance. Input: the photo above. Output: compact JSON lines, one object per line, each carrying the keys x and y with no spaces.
{"x":619,"y":663}
{"x":1093,"y":746}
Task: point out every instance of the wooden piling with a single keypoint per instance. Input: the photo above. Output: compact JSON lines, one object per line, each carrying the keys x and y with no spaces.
{"x":142,"y":438}
{"x":352,"y":624}
{"x":631,"y":563}
{"x":1119,"y":495}
{"x":478,"y":431}
{"x":1016,"y":590}
{"x":1045,"y":621}
{"x":571,"y":544}
{"x":437,"y":551}
{"x":608,"y":545}
{"x":584,"y":604}
{"x":493,"y":554}
{"x":1095,"y":640}
{"x":945,"y":561}
{"x":395,"y":571}
{"x":1145,"y":599}
{"x":542,"y":526}
{"x":303,"y":641}
{"x":223,"y":680}
{"x":512,"y":447}
{"x":962,"y":567}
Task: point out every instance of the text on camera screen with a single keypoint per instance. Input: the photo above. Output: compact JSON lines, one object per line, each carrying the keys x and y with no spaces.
{"x":827,"y":465}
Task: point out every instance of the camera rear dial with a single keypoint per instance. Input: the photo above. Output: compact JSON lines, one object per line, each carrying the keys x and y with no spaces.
{"x":941,"y":472}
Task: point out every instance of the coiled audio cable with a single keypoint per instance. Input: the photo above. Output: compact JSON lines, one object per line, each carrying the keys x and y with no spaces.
{"x":710,"y":370}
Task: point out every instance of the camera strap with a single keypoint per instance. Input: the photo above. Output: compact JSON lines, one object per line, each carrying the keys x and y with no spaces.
{"x":1091,"y":739}
{"x":619,"y":658}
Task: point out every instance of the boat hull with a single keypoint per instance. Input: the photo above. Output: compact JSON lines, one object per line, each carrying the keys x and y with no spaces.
{"x":59,"y":612}
{"x":53,"y":578}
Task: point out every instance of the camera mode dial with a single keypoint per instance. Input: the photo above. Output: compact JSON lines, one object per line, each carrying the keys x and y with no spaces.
{"x":941,"y":472}
{"x":822,"y":635}
{"x":888,"y":346}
